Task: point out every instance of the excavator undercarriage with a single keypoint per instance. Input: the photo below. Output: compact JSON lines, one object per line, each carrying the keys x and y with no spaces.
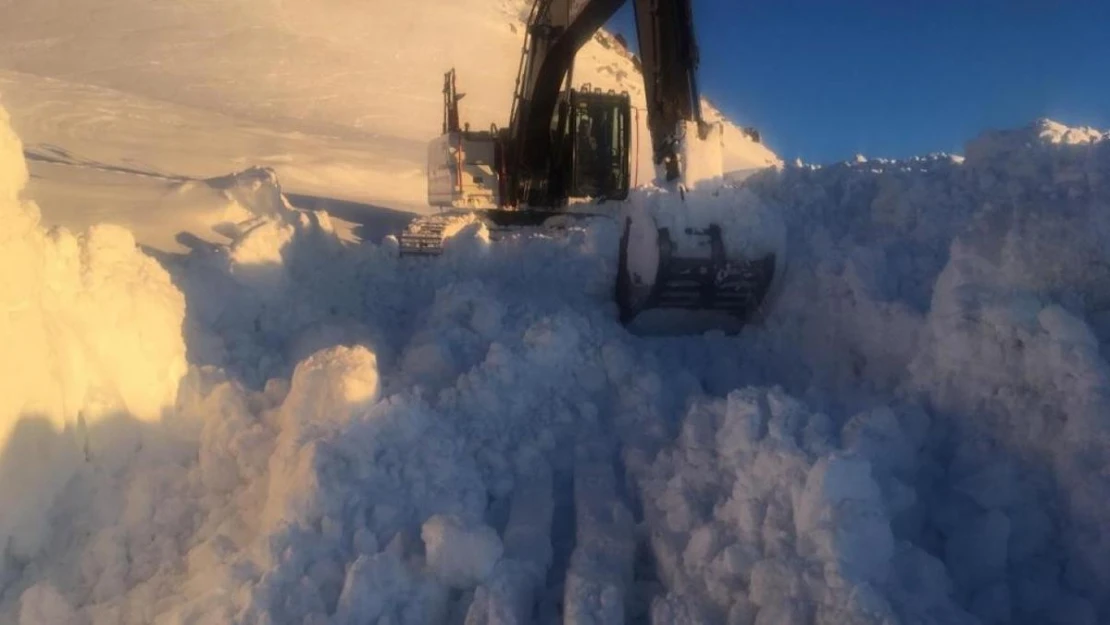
{"x":568,"y":152}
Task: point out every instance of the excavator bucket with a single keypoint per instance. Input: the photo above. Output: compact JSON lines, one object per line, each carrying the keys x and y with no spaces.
{"x":663,"y":287}
{"x":707,"y":257}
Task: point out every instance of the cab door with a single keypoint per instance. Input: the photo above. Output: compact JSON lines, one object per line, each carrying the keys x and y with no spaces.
{"x":600,"y":132}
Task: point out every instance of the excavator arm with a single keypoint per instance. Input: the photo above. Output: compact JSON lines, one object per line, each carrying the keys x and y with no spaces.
{"x":557,"y":29}
{"x":669,"y":58}
{"x":553,"y":39}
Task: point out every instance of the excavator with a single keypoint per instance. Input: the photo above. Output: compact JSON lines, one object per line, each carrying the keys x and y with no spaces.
{"x":566,"y":151}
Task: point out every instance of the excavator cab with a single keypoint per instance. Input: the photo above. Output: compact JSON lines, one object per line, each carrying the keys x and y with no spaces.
{"x":595,"y":134}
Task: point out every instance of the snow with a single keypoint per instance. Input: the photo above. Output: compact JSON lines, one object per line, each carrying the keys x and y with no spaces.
{"x":302,"y":87}
{"x":754,"y":495}
{"x":215,"y":408}
{"x":460,"y":556}
{"x":750,"y":228}
{"x":475,"y":439}
{"x":92,"y":330}
{"x":509,"y":595}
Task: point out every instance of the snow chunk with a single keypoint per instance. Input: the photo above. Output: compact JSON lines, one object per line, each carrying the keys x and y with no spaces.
{"x":465,"y":237}
{"x":256,"y":189}
{"x":462,"y":555}
{"x":257,"y":258}
{"x":42,"y":604}
{"x":332,"y":383}
{"x":841,"y":516}
{"x":382,"y":588}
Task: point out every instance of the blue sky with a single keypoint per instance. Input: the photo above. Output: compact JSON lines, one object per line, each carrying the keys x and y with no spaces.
{"x":824,"y":80}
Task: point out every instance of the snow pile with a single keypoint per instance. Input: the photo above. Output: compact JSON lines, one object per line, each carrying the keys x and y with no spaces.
{"x":866,"y":242}
{"x":1012,"y":341}
{"x":916,"y":433}
{"x":350,"y":482}
{"x":465,"y":235}
{"x":978,"y":287}
{"x":283,"y":287}
{"x":461,"y":556}
{"x":303,"y":500}
{"x":231,"y":204}
{"x":758,"y":516}
{"x":256,"y":189}
{"x":750,"y":227}
{"x":92,"y":335}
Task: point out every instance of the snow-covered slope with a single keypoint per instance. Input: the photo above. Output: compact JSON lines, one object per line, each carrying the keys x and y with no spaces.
{"x":339,"y":97}
{"x":916,"y":435}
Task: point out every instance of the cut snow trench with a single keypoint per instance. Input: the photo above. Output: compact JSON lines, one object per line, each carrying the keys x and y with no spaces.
{"x":358,"y":438}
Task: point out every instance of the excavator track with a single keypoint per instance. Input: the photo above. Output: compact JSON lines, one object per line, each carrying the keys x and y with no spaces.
{"x":426,"y":235}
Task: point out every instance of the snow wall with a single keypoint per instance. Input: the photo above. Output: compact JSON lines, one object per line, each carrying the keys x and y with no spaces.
{"x":916,"y":435}
{"x":91,"y":335}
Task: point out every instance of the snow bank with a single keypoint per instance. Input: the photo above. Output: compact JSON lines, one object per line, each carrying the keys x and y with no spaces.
{"x":460,"y":556}
{"x":1013,"y":341}
{"x":916,"y":433}
{"x":977,"y":287}
{"x":760,"y":517}
{"x":91,"y":333}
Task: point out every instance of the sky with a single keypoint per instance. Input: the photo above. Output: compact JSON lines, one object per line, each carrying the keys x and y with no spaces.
{"x":826,"y":80}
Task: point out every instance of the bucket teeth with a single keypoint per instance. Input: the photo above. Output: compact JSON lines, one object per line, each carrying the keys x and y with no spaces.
{"x":737,"y":288}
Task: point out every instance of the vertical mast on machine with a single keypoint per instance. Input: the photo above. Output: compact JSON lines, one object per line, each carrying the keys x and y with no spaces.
{"x":451,"y":99}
